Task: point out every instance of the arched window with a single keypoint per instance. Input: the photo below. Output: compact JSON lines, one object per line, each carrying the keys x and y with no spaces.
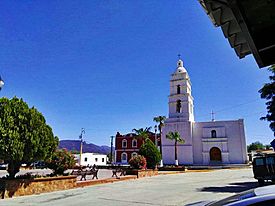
{"x":178,"y":106}
{"x":134,"y":143}
{"x":124,"y":157}
{"x":178,"y":89}
{"x":134,"y":154}
{"x":124,"y":143}
{"x":213,"y":134}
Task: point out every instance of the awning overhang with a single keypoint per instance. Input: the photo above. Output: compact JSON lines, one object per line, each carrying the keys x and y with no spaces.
{"x":249,"y":26}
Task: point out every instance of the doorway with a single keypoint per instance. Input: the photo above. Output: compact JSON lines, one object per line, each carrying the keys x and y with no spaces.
{"x":215,"y":154}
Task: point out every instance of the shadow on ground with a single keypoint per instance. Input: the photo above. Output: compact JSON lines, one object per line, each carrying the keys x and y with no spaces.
{"x":233,"y":187}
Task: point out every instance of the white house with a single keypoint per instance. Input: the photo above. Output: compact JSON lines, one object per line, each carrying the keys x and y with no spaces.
{"x":217,"y":142}
{"x":91,"y":159}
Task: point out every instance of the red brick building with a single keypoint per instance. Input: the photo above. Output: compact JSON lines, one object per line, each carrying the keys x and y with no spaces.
{"x":128,"y":146}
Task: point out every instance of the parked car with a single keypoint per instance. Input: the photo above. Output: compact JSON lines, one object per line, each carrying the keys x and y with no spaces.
{"x":3,"y":166}
{"x":261,"y":196}
{"x":38,"y":165}
{"x":264,"y":168}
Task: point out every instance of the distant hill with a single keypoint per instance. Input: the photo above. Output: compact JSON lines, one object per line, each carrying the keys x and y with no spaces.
{"x":87,"y":147}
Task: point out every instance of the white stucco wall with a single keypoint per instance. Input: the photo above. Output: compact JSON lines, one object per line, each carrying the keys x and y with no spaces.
{"x":230,"y":140}
{"x":91,"y":159}
{"x":185,"y":151}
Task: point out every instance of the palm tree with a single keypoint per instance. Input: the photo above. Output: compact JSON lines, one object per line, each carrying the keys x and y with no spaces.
{"x":160,"y":121}
{"x":177,"y":138}
{"x":142,"y":133}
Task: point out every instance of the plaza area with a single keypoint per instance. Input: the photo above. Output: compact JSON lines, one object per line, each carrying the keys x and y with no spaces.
{"x":164,"y":190}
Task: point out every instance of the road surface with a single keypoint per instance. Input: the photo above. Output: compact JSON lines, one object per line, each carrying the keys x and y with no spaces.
{"x":163,"y":190}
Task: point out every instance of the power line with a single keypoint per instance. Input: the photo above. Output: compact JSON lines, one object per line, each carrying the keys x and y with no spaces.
{"x":254,"y":113}
{"x":237,"y":105}
{"x":231,"y":107}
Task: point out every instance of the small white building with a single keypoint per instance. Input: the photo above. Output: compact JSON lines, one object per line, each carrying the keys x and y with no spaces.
{"x":221,"y":142}
{"x":91,"y":159}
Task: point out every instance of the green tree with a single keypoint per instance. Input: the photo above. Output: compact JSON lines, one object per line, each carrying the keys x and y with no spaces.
{"x":255,"y":146}
{"x":149,"y":150}
{"x":75,"y":151}
{"x":177,"y":138}
{"x":111,"y":157}
{"x":160,"y":120}
{"x":24,"y":135}
{"x":268,"y":93}
{"x":60,"y":161}
{"x":142,"y":133}
{"x":267,"y":146}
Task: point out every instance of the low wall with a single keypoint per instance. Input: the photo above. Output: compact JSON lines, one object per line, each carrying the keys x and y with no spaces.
{"x":179,"y":168}
{"x":20,"y":187}
{"x":142,"y":173}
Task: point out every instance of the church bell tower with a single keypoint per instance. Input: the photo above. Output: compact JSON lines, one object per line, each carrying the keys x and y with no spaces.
{"x":180,"y":98}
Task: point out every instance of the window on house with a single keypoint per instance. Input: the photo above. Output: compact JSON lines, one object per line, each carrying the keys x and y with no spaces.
{"x":85,"y":159}
{"x":213,"y":134}
{"x":96,"y":159}
{"x":102,"y":159}
{"x":178,"y":106}
{"x":134,"y":154}
{"x":124,"y":143}
{"x":124,"y":157}
{"x":134,"y":143}
{"x":178,"y":89}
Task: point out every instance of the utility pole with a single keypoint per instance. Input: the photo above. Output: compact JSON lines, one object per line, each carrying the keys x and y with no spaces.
{"x":81,"y":144}
{"x":156,"y":139}
{"x":112,"y":137}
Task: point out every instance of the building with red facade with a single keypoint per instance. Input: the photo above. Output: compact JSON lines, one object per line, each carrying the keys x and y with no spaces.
{"x":128,"y":146}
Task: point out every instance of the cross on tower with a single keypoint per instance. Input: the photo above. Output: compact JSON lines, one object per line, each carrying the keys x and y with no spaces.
{"x":179,"y":56}
{"x":212,"y":116}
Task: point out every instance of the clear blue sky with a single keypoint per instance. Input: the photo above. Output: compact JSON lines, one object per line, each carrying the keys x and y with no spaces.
{"x":106,"y":65}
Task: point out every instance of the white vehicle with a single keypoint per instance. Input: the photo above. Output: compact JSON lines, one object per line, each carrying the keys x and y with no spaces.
{"x":262,"y":196}
{"x":3,"y":166}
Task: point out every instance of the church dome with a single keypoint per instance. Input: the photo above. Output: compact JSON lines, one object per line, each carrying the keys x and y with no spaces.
{"x":180,"y":68}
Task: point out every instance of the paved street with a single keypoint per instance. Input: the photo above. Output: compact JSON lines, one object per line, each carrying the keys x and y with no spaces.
{"x":168,"y":190}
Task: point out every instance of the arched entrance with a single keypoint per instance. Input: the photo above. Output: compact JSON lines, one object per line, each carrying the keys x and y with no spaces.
{"x":215,"y":154}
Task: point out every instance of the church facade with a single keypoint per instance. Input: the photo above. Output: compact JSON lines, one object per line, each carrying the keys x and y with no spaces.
{"x":214,"y":142}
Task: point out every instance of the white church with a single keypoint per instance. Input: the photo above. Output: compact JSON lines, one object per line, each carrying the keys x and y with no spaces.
{"x":206,"y":143}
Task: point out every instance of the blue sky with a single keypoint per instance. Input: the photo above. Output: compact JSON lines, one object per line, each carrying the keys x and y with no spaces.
{"x":106,"y":65}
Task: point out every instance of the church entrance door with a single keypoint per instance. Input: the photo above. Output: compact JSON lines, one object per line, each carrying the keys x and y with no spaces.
{"x":215,"y":154}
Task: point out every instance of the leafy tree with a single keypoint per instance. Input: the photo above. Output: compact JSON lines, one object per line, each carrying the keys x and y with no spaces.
{"x":177,"y":138}
{"x":138,"y":162}
{"x":60,"y":161}
{"x":268,"y":93}
{"x":142,"y":133}
{"x":255,"y":146}
{"x":111,"y":157}
{"x":149,"y":150}
{"x":74,"y":151}
{"x":160,"y":120}
{"x":24,"y":135}
{"x":267,"y":146}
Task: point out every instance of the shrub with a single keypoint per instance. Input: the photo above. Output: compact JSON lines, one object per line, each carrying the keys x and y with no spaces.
{"x":151,"y":153}
{"x":24,"y":135}
{"x":61,"y":161}
{"x":138,"y":162}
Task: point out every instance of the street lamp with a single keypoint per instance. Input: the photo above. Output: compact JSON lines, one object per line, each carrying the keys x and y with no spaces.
{"x":1,"y":83}
{"x":112,"y":137}
{"x":81,"y":144}
{"x":156,"y":139}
